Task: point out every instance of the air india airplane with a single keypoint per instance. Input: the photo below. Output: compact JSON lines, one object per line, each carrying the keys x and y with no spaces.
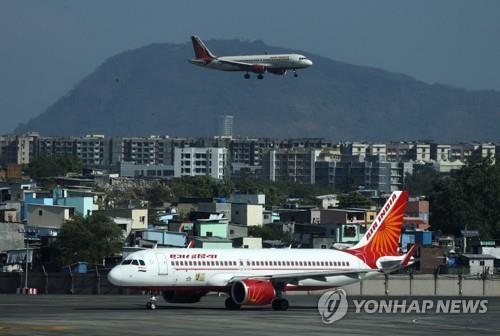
{"x":262,"y":277}
{"x":259,"y":64}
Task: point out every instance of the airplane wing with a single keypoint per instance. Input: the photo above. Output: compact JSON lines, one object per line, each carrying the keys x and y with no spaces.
{"x":295,"y":277}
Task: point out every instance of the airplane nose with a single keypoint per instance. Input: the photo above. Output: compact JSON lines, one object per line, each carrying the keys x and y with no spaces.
{"x":114,"y":276}
{"x":309,"y":62}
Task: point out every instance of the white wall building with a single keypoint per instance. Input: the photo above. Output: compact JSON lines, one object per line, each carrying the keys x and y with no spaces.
{"x":205,"y":161}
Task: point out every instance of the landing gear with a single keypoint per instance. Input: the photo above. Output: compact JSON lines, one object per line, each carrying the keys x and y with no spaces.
{"x":260,"y":76}
{"x":231,"y":305}
{"x":280,"y":304}
{"x":152,"y":302}
{"x":295,"y":74}
{"x":247,"y":76}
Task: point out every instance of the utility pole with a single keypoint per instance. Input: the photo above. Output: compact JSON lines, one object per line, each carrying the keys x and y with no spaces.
{"x":26,"y":264}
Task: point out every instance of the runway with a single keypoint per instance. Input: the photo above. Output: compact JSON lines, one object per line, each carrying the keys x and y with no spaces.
{"x":126,"y":315}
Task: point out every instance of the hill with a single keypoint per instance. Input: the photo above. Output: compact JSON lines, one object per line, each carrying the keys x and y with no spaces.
{"x":154,"y":90}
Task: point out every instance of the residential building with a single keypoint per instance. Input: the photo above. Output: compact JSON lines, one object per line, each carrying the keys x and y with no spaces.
{"x":48,"y":216}
{"x":191,"y":161}
{"x":216,"y":207}
{"x":248,"y":198}
{"x":247,"y":214}
{"x":420,"y":153}
{"x":139,"y":217}
{"x":294,"y":165}
{"x":134,"y":170}
{"x":440,"y":152}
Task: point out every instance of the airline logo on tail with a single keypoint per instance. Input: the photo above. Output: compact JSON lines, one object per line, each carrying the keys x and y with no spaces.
{"x":200,"y":49}
{"x":382,"y":238}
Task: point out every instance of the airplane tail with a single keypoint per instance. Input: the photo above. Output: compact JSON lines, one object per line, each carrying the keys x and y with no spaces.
{"x":200,"y":49}
{"x":382,"y":238}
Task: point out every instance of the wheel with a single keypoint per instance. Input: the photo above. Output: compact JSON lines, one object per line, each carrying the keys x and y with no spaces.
{"x":280,"y":304}
{"x":247,"y":76}
{"x":231,"y":305}
{"x":151,"y":305}
{"x":260,"y":76}
{"x":295,"y":75}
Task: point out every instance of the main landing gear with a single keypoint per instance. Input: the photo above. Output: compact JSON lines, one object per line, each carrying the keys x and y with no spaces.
{"x":152,"y":302}
{"x":247,"y":75}
{"x":280,"y":304}
{"x":260,"y":76}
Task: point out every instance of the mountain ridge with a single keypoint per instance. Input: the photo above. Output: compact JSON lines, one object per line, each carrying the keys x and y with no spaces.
{"x":154,"y":90}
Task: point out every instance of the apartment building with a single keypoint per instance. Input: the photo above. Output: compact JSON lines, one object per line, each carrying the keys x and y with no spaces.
{"x":191,"y":161}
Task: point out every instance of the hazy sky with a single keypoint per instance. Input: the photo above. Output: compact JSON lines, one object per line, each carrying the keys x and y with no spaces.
{"x":47,"y":46}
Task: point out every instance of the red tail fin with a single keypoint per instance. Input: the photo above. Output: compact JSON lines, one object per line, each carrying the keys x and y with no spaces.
{"x":200,"y":49}
{"x":382,"y":238}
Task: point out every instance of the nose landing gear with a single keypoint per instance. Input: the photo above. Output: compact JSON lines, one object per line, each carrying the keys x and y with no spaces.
{"x":295,"y":73}
{"x":152,"y":302}
{"x":247,"y":76}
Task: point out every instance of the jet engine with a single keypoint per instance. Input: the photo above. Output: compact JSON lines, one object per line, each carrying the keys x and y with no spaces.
{"x":258,"y":68}
{"x":277,"y":71}
{"x":252,"y":292}
{"x":182,"y":296}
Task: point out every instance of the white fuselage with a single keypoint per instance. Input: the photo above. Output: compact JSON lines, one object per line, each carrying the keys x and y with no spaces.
{"x":213,"y":269}
{"x":284,"y":61}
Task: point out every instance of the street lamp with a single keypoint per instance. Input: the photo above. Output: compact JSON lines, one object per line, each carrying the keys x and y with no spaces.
{"x":26,"y":265}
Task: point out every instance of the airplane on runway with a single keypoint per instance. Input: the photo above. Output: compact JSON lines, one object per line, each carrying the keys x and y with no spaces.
{"x":261,"y":277}
{"x":259,"y":64}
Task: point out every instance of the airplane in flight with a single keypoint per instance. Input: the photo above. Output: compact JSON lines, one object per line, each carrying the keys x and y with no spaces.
{"x":262,"y":277}
{"x":276,"y":64}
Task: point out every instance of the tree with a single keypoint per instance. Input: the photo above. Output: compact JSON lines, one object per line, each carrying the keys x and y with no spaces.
{"x":46,"y":166}
{"x":89,"y":239}
{"x":354,"y":200}
{"x":469,"y":199}
{"x":422,"y":181}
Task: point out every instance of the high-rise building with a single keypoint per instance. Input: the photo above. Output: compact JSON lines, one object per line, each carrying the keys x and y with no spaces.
{"x":224,"y":125}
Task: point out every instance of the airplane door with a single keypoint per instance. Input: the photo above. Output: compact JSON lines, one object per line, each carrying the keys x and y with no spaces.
{"x":162,"y":263}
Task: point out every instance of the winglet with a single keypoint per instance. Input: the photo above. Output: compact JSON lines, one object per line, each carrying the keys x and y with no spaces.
{"x":406,"y":260}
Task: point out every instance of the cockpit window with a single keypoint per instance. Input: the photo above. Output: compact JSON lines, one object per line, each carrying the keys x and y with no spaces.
{"x":302,"y":58}
{"x":135,"y":262}
{"x":142,"y":262}
{"x":126,"y":262}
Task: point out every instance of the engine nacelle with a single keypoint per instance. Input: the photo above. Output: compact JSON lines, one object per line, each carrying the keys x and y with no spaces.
{"x":258,"y":68}
{"x":277,"y":71}
{"x":182,"y":296}
{"x":252,"y":292}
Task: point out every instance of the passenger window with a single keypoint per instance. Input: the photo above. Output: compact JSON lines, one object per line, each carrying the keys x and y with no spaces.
{"x":176,"y":263}
{"x":225,"y":263}
{"x":309,"y":263}
{"x":172,"y":263}
{"x":347,"y":263}
{"x":142,"y":262}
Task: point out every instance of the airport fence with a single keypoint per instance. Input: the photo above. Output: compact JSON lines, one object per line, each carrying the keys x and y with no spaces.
{"x":391,"y":285}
